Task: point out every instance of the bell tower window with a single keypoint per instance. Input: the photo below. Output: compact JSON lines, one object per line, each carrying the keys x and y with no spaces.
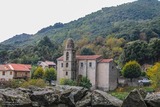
{"x":66,"y":64}
{"x":67,"y":56}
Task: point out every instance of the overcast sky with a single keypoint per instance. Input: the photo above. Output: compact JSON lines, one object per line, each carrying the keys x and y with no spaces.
{"x":29,"y":16}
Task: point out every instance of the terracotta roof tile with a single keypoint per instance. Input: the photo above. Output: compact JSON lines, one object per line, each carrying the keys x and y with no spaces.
{"x":50,"y":63}
{"x":83,"y":57}
{"x":91,"y":57}
{"x":106,"y":60}
{"x":4,"y":67}
{"x":20,"y":67}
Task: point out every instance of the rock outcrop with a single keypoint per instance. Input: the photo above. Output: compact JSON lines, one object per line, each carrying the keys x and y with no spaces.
{"x":102,"y":99}
{"x":59,"y":96}
{"x":153,"y":100}
{"x":135,"y":99}
{"x":71,"y":96}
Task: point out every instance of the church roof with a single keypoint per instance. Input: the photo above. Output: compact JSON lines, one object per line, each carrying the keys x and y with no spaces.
{"x":106,"y":60}
{"x":83,"y":57}
{"x":91,"y":57}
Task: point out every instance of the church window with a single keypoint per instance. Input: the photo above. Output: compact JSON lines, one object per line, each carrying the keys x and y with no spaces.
{"x":66,"y":64}
{"x":61,"y":64}
{"x":90,"y":64}
{"x":67,"y":55}
{"x":81,"y":64}
{"x":66,"y":73}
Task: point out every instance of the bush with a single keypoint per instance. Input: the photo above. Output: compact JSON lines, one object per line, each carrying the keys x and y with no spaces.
{"x":64,"y":81}
{"x":14,"y":83}
{"x":85,"y":82}
{"x":35,"y":82}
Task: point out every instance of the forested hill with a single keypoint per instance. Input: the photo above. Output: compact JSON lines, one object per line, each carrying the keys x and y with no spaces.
{"x":128,"y":20}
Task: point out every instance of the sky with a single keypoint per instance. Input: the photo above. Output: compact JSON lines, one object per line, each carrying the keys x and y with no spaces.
{"x":29,"y":16}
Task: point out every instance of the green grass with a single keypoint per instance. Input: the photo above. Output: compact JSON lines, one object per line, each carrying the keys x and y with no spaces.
{"x":122,"y":92}
{"x":120,"y":95}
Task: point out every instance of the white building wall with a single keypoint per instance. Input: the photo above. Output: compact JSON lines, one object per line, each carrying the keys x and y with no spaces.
{"x":60,"y":73}
{"x":82,"y":67}
{"x":7,"y":75}
{"x":103,"y":76}
{"x":91,"y":72}
{"x":88,"y":71}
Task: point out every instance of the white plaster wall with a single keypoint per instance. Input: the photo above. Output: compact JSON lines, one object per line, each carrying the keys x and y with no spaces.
{"x":7,"y":75}
{"x":103,"y":76}
{"x":87,"y":71}
{"x":60,"y":73}
{"x":82,"y":70}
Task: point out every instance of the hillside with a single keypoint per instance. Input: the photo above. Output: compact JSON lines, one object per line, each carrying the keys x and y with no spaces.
{"x":18,"y":40}
{"x":127,"y":21}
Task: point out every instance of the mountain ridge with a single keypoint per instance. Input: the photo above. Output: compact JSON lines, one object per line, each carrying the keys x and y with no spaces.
{"x":106,"y":21}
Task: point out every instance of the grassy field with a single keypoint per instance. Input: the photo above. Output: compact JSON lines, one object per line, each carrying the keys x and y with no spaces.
{"x":122,"y":92}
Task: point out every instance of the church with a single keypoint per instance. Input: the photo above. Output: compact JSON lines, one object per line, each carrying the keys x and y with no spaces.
{"x":102,"y":73}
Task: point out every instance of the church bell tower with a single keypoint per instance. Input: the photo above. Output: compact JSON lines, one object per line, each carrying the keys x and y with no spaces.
{"x":69,"y":59}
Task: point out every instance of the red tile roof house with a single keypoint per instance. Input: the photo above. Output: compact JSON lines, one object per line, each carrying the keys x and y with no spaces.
{"x":46,"y":64}
{"x":14,"y":71}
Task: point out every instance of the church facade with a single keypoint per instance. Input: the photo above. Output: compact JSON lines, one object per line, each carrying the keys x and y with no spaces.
{"x":101,"y":72}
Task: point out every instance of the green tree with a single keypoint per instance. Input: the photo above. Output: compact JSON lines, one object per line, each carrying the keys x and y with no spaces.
{"x":39,"y":73}
{"x":87,"y":51}
{"x":154,"y":74}
{"x":131,"y":70}
{"x":137,"y":50}
{"x":85,"y":82}
{"x":50,"y":74}
{"x":154,"y":48}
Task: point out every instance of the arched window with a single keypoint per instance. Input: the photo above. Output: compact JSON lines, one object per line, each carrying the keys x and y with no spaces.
{"x":67,"y":55}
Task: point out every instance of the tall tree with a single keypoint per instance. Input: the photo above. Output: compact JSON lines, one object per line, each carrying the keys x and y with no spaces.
{"x":154,"y":74}
{"x":131,"y":70}
{"x":50,"y":74}
{"x":39,"y":73}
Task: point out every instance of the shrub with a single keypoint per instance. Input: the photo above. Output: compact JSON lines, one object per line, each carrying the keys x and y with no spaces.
{"x":64,"y":81}
{"x":34,"y":82}
{"x":85,"y":82}
{"x":14,"y":83}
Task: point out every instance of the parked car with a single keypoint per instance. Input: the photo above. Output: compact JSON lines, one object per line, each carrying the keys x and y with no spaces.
{"x":144,"y":81}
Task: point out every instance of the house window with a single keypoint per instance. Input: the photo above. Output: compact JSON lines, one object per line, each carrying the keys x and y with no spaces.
{"x":66,"y":64}
{"x":3,"y":73}
{"x":67,"y":55}
{"x":90,"y":64}
{"x":10,"y":72}
{"x":81,"y":64}
{"x":61,"y":64}
{"x":66,"y":73}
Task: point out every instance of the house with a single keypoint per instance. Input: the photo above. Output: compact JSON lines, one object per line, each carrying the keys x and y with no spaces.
{"x":14,"y":71}
{"x":46,"y":64}
{"x":102,"y":73}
